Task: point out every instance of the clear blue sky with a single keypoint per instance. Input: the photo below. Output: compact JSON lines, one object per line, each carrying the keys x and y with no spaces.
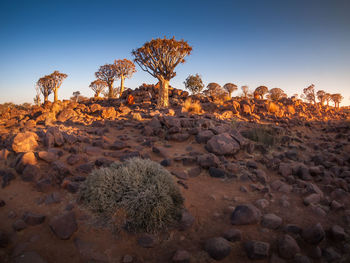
{"x":284,"y":44}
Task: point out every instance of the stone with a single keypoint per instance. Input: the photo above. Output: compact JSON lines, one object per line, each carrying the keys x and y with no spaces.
{"x":217,"y":172}
{"x":257,"y":249}
{"x":204,"y":136}
{"x":118,"y":145}
{"x":7,"y":176}
{"x":4,"y":153}
{"x":64,"y":225}
{"x":245,"y":215}
{"x":30,"y":173}
{"x":208,"y":160}
{"x":25,"y":142}
{"x":33,"y":219}
{"x":262,"y":203}
{"x":331,"y":255}
{"x":19,"y":225}
{"x":48,"y":157}
{"x":180,"y":174}
{"x":181,"y":256}
{"x":312,"y":199}
{"x":233,"y":235}
{"x":222,"y":144}
{"x":313,"y":234}
{"x":287,"y":247}
{"x":2,"y":203}
{"x":66,"y":114}
{"x":338,"y":233}
{"x":271,"y":221}
{"x":301,"y":259}
{"x":4,"y":239}
{"x":24,"y":160}
{"x":29,"y":257}
{"x":146,"y":241}
{"x":127,"y":259}
{"x":218,"y":248}
{"x":108,"y":113}
{"x":186,"y":220}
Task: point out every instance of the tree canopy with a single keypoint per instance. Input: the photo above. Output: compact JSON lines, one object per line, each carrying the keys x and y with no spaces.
{"x":230,"y":87}
{"x":260,"y":91}
{"x":108,"y":74}
{"x":194,"y":83}
{"x":276,"y":94}
{"x":124,"y":68}
{"x":98,"y":86}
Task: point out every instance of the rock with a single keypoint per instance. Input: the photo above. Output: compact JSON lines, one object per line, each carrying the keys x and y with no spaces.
{"x":330,"y":255}
{"x":223,"y":144}
{"x":53,"y":198}
{"x":24,"y":160}
{"x":218,"y":248}
{"x":195,"y":171}
{"x":338,"y":233}
{"x":66,"y":114}
{"x":257,"y":249}
{"x":217,"y":172}
{"x":312,"y":199}
{"x":118,"y":145}
{"x":313,"y":234}
{"x":146,"y":241}
{"x":4,"y":153}
{"x":56,"y":139}
{"x":25,"y":142}
{"x":64,"y":225}
{"x":29,"y":257}
{"x":204,"y":136}
{"x":186,"y":221}
{"x":181,"y":256}
{"x":245,"y":215}
{"x":85,"y":168}
{"x":19,"y":225}
{"x":291,"y":228}
{"x":7,"y":176}
{"x":95,"y":107}
{"x":4,"y":239}
{"x":301,"y":259}
{"x":271,"y":221}
{"x":108,"y":113}
{"x":287,"y":247}
{"x":208,"y":160}
{"x":233,"y":235}
{"x":127,"y":259}
{"x":30,"y":173}
{"x":180,"y":174}
{"x":33,"y":219}
{"x":48,"y":157}
{"x":2,"y":203}
{"x":262,"y":203}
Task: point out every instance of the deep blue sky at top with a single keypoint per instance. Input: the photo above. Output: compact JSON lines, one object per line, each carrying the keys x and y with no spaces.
{"x":285,"y":44}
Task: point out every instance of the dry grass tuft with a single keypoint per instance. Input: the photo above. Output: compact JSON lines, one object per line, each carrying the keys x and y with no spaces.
{"x":192,"y":106}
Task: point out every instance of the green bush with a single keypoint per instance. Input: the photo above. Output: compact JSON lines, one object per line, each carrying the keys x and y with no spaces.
{"x":266,"y":135}
{"x":143,"y":190}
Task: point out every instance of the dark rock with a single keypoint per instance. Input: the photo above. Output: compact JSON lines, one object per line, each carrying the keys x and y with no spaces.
{"x":338,"y":233}
{"x":245,"y":215}
{"x":186,"y":221}
{"x":19,"y":225}
{"x":312,"y":199}
{"x":287,"y":247}
{"x":53,"y":198}
{"x":165,"y":162}
{"x":330,"y":255}
{"x":33,"y":219}
{"x":2,"y":203}
{"x":204,"y":136}
{"x":217,"y":172}
{"x":313,"y":234}
{"x":85,"y":168}
{"x":233,"y":235}
{"x":195,"y":171}
{"x":218,"y":248}
{"x":180,"y":174}
{"x":30,"y":173}
{"x":146,"y":241}
{"x":208,"y":160}
{"x":223,"y":144}
{"x":104,"y":162}
{"x":64,"y":225}
{"x":271,"y":221}
{"x":29,"y":257}
{"x":6,"y":176}
{"x":181,"y":256}
{"x":118,"y":145}
{"x":257,"y":249}
{"x":4,"y":239}
{"x":293,"y":229}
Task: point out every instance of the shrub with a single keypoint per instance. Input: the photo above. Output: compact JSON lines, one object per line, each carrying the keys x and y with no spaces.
{"x":140,"y":190}
{"x":269,"y":136}
{"x":192,"y":106}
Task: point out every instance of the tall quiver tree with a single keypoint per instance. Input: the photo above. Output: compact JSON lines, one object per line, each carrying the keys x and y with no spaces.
{"x":321,"y":96}
{"x":261,"y":91}
{"x":45,"y":85}
{"x":98,"y":86}
{"x":124,"y":69}
{"x":108,"y":74}
{"x":159,"y":57}
{"x":309,"y":93}
{"x":57,"y":79}
{"x":230,"y":87}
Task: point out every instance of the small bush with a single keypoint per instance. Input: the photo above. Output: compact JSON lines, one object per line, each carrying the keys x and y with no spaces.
{"x":266,"y":135}
{"x":140,"y":190}
{"x":192,"y":106}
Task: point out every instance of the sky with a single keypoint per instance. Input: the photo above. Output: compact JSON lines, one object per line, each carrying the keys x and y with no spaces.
{"x":286,"y":44}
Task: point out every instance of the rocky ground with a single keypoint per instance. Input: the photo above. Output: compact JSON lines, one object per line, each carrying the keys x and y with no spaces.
{"x":261,"y":180}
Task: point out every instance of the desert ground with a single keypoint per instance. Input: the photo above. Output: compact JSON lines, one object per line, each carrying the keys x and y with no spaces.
{"x":261,"y":181}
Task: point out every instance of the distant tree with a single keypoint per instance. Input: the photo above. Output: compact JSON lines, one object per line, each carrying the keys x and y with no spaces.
{"x":124,"y":69}
{"x":57,"y":79}
{"x":321,"y":96}
{"x":37,"y":99}
{"x":245,"y":90}
{"x":213,"y":89}
{"x":337,"y":98}
{"x":327,"y":98}
{"x":98,"y":86}
{"x":159,"y":57}
{"x":45,"y":85}
{"x":230,"y":88}
{"x":276,"y":94}
{"x":108,"y":74}
{"x":260,"y":92}
{"x":309,"y":93}
{"x":76,"y":95}
{"x":115,"y":93}
{"x":194,"y":83}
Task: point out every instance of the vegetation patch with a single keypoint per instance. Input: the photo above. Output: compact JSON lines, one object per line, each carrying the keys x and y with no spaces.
{"x":140,"y":191}
{"x":264,"y":134}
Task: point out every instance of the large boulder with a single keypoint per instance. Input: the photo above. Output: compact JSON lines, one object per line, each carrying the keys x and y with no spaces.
{"x":109,"y":113}
{"x":25,"y":142}
{"x":66,"y":114}
{"x":245,"y":215}
{"x":218,"y":248}
{"x":63,"y":226}
{"x":223,"y":144}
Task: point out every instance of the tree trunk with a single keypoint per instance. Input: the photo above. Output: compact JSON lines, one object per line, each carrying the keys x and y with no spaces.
{"x":121,"y":85}
{"x":163,"y":95}
{"x":46,"y":98}
{"x":230,"y":94}
{"x":55,"y":95}
{"x":110,"y":91}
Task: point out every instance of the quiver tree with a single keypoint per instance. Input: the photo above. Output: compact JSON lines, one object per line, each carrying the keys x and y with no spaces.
{"x":260,"y":92}
{"x":194,"y":83}
{"x":159,"y":57}
{"x":98,"y":86}
{"x":327,"y":98}
{"x":124,"y":69}
{"x":45,"y":85}
{"x":276,"y":94}
{"x":57,"y":79}
{"x":309,"y":93}
{"x":106,"y":93}
{"x":37,"y":99}
{"x":337,"y":98}
{"x":214,"y":90}
{"x":245,"y":90}
{"x":76,"y":95}
{"x":107,"y":73}
{"x":321,"y":96}
{"x":230,"y":88}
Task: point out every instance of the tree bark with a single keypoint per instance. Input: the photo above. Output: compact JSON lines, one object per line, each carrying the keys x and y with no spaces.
{"x":121,"y":85}
{"x":163,"y":95}
{"x":46,"y":98}
{"x":55,"y":95}
{"x":110,"y":91}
